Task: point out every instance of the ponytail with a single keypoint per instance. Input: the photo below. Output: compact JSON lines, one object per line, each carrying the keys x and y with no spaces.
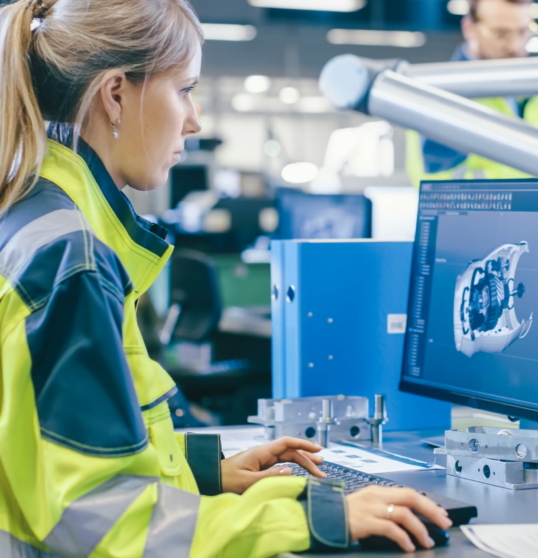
{"x":22,"y":129}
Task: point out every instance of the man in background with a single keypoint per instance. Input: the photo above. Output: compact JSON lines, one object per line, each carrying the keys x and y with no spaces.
{"x":493,"y":29}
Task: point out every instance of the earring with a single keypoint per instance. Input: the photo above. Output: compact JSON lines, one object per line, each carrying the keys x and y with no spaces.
{"x":115,"y":129}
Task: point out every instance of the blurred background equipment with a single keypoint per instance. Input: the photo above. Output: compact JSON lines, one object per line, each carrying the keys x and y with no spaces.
{"x":185,"y":179}
{"x":318,"y":216}
{"x":209,"y":374}
{"x":394,"y":212}
{"x":195,"y":302}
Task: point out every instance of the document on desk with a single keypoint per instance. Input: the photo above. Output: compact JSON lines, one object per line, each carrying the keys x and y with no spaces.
{"x":505,"y":541}
{"x":367,"y":460}
{"x":371,"y":460}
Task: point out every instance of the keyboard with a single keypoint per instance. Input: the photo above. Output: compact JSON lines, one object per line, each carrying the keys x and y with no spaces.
{"x":459,"y":512}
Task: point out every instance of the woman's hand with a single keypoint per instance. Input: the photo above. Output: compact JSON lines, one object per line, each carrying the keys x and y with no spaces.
{"x":246,"y":468}
{"x":387,"y":512}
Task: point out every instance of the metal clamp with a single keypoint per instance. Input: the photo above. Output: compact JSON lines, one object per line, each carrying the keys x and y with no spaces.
{"x":378,"y":420}
{"x":325,"y":422}
{"x":325,"y":418}
{"x":497,"y":456}
{"x":337,"y":417}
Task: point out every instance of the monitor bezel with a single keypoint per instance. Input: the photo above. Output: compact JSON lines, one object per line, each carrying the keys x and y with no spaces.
{"x":451,"y":396}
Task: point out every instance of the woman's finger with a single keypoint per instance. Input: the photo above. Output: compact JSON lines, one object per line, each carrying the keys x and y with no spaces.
{"x":389,"y":529}
{"x":412,"y":499}
{"x":283,"y":444}
{"x":303,"y":461}
{"x":313,"y":457}
{"x":410,"y":522}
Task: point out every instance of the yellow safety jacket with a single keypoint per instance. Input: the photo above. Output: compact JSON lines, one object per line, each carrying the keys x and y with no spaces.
{"x":473,"y":166}
{"x":90,"y":466}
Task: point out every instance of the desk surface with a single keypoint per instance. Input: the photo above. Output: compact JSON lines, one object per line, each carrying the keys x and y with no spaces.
{"x":254,"y":321}
{"x":495,"y":505}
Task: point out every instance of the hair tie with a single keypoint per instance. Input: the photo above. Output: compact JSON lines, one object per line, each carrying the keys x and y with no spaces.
{"x":39,"y":13}
{"x":39,"y":9}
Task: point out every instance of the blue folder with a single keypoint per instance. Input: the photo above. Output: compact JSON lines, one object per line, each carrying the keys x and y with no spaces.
{"x":339,"y":319}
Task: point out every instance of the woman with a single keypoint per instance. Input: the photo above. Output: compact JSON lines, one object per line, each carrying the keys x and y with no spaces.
{"x":90,"y":465}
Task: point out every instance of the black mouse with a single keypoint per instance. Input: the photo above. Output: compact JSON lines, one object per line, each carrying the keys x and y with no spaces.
{"x":439,"y":536}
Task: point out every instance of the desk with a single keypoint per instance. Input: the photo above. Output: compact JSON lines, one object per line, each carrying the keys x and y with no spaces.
{"x":252,"y":321}
{"x":495,"y":505}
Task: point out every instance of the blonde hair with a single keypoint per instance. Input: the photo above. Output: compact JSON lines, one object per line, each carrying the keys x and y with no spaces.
{"x":54,"y":71}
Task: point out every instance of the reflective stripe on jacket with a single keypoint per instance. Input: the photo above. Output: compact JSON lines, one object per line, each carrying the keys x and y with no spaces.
{"x":90,"y":466}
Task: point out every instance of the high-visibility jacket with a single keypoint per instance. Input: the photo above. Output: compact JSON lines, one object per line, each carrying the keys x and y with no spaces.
{"x":90,"y":466}
{"x":429,"y":160}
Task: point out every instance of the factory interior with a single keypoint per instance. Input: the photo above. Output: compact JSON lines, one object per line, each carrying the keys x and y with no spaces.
{"x":266,"y":278}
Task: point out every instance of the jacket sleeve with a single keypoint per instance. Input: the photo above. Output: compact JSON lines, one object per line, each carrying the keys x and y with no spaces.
{"x":85,"y":480}
{"x":275,"y":515}
{"x":322,"y":503}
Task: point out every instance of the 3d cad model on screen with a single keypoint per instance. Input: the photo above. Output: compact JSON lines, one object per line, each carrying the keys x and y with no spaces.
{"x":484,"y":314}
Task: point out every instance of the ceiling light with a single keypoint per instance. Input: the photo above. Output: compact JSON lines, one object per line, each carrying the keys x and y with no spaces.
{"x":244,"y":102}
{"x":228,"y":32}
{"x":257,"y":84}
{"x":458,"y":7}
{"x":272,"y":148}
{"x":314,"y":105}
{"x":319,"y":5}
{"x":403,"y":39}
{"x":247,"y":102}
{"x":289,"y":95}
{"x":299,"y":173}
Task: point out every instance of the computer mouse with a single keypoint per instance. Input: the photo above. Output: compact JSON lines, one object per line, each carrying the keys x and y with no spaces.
{"x":439,"y":536}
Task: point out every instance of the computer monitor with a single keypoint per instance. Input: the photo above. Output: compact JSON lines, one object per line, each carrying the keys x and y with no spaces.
{"x":474,"y":291}
{"x":322,"y":216}
{"x":185,"y":179}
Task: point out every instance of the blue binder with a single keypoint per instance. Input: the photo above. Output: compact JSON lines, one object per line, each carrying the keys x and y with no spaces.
{"x":339,"y":322}
{"x":277,"y":317}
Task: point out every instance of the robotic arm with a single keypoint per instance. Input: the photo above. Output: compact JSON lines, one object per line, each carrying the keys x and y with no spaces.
{"x":426,"y":98}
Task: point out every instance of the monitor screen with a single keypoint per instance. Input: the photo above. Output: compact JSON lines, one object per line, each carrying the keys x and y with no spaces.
{"x":322,"y":216}
{"x":185,"y":179}
{"x":474,"y":291}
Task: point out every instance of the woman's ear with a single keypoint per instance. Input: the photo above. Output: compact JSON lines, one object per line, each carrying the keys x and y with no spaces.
{"x":113,"y":94}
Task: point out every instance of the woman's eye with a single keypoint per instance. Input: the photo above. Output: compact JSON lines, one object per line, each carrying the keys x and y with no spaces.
{"x":187,"y":91}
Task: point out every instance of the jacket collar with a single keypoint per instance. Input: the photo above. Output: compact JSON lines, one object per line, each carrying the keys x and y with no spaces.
{"x":140,"y":244}
{"x":143,"y":232}
{"x":462,"y":54}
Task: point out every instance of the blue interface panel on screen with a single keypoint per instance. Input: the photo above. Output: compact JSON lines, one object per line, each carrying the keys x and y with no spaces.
{"x":474,"y":291}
